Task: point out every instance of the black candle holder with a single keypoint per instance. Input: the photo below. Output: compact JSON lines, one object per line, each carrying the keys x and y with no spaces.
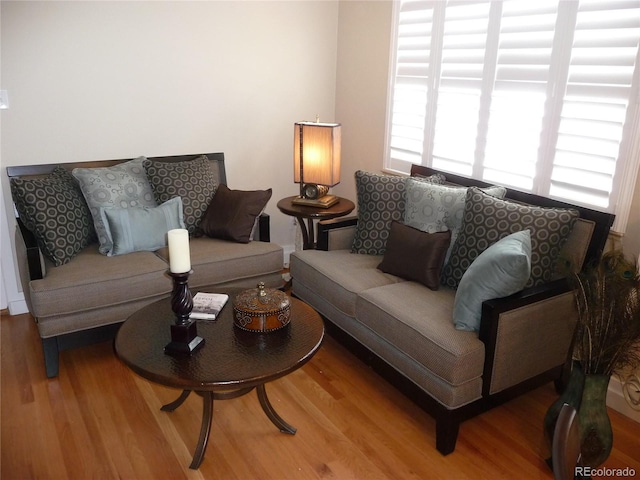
{"x":184,"y":333}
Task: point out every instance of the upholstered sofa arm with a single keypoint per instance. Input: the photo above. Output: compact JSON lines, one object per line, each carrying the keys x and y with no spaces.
{"x":534,"y":326}
{"x":336,"y":234}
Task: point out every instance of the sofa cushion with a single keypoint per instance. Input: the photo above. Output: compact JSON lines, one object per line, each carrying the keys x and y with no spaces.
{"x":381,"y":199}
{"x":488,"y":219}
{"x":91,"y":281}
{"x":216,"y":261}
{"x":422,"y":329}
{"x":338,"y":275}
{"x":436,"y":208}
{"x":137,"y":229}
{"x":502,"y":269}
{"x":123,"y":185}
{"x":232,"y":214}
{"x":55,"y":211}
{"x":415,"y":255}
{"x":191,"y":180}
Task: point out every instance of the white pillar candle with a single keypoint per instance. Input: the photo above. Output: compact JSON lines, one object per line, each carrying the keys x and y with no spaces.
{"x":179,"y":256}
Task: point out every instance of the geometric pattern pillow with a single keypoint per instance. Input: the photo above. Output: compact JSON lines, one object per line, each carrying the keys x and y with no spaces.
{"x":190,"y":180}
{"x":54,"y":210}
{"x":381,"y":200}
{"x":488,"y":219}
{"x":123,"y":185}
{"x":438,"y":208}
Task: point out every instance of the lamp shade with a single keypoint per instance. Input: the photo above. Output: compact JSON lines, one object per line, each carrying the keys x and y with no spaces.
{"x":316,"y":153}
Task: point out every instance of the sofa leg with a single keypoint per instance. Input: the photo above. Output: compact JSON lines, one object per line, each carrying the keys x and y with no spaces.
{"x":51,"y":356}
{"x":446,"y":435}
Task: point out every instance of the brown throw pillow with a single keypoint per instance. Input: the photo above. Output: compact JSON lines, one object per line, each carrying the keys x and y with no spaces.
{"x":415,"y":255}
{"x":232,"y":213}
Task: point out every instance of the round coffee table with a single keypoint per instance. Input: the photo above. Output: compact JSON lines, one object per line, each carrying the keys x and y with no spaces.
{"x":231,"y":363}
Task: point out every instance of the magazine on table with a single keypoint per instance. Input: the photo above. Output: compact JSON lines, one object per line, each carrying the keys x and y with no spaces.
{"x":207,"y":306}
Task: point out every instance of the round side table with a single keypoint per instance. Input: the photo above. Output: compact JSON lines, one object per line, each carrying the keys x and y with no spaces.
{"x":301,"y":212}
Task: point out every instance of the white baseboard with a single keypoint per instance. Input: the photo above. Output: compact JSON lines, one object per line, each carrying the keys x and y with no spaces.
{"x":288,"y":250}
{"x":615,"y":400}
{"x":18,"y":306}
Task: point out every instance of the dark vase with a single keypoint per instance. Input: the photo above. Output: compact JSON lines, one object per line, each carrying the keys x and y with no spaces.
{"x":571,"y":395}
{"x":596,"y":436}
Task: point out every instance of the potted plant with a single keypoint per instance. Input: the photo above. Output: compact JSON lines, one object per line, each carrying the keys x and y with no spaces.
{"x":606,"y":342}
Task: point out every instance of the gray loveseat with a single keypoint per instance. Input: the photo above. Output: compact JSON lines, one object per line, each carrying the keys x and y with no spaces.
{"x":79,"y":296}
{"x":406,"y":331}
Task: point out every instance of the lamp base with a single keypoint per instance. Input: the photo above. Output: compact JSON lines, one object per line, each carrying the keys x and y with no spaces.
{"x":322,"y":202}
{"x":184,"y":339}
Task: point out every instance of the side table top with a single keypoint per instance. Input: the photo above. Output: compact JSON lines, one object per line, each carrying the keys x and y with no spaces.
{"x":230,"y":358}
{"x":343,"y":207}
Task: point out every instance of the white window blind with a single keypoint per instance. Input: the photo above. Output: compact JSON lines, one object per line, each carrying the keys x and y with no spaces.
{"x":459,"y":92}
{"x":538,"y":95}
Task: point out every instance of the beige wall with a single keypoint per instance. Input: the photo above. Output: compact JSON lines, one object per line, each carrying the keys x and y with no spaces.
{"x":364,"y":35}
{"x":101,"y":80}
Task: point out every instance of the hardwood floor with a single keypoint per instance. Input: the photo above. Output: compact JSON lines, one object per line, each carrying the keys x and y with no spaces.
{"x":99,"y":420}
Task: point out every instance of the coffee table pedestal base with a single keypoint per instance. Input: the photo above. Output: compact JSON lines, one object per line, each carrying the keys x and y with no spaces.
{"x":207,"y":415}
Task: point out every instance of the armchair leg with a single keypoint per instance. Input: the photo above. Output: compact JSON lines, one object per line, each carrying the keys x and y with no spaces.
{"x":51,"y":356}
{"x":446,"y":435}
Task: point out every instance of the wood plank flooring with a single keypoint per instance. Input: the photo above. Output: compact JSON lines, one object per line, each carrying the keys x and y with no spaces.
{"x":99,"y":420}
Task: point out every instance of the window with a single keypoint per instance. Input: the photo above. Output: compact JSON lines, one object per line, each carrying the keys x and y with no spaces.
{"x":540,"y":95}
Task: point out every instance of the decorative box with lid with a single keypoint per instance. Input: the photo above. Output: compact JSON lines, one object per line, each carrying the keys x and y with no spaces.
{"x":261,"y":309}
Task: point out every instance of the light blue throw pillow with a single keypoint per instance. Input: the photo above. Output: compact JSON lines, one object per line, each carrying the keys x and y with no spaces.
{"x":136,"y":229}
{"x":437,"y":208}
{"x":501,"y":270}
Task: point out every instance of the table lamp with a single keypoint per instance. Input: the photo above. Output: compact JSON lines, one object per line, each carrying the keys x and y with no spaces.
{"x":316,"y":162}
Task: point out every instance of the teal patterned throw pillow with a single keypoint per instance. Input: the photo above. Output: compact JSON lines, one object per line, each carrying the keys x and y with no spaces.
{"x":437,"y":208}
{"x":123,"y":185}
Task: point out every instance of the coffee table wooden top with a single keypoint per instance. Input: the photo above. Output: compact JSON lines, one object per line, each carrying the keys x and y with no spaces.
{"x":231,"y":358}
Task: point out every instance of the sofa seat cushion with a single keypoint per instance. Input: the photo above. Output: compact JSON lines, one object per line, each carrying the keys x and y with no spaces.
{"x":91,"y":280}
{"x":215,"y":261}
{"x":418,"y":321}
{"x":339,"y":275}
